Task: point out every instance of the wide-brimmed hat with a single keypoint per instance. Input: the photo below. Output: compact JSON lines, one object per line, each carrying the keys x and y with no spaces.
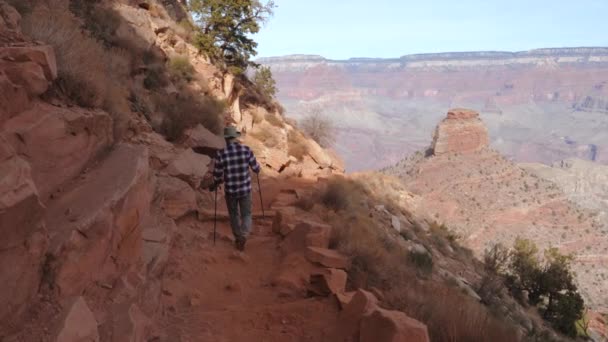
{"x":231,"y":132}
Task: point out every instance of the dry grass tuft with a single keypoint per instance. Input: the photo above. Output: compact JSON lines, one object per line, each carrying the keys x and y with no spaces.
{"x":89,"y":74}
{"x":343,"y":194}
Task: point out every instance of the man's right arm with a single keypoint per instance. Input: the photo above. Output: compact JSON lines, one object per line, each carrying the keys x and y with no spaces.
{"x":253,"y":163}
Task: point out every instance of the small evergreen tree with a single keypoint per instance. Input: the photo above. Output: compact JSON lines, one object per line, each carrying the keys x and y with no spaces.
{"x":226,"y":29}
{"x":264,"y":81}
{"x":549,"y":284}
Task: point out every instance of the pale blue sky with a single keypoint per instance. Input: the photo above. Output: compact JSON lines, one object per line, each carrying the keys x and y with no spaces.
{"x":341,"y":29}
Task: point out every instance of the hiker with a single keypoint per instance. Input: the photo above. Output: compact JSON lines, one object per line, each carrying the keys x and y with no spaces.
{"x":232,"y":167}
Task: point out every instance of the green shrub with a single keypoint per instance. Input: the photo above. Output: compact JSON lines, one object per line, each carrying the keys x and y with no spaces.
{"x":548,"y":283}
{"x":264,"y":82}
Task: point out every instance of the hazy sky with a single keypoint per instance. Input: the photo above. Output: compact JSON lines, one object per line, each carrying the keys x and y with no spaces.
{"x":341,"y":29}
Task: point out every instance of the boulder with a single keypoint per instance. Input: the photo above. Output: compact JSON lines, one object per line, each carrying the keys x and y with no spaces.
{"x":176,"y":197}
{"x":129,"y":324}
{"x":136,"y":27}
{"x":77,"y":323}
{"x":396,"y":223}
{"x":306,"y":233}
{"x":25,"y":73}
{"x":58,"y":142}
{"x":392,"y":326}
{"x":462,"y":131}
{"x":190,"y":167}
{"x":13,"y":98}
{"x":275,"y":160}
{"x":29,"y":75}
{"x":157,"y":233}
{"x":328,"y":281}
{"x":161,"y":151}
{"x":319,"y":155}
{"x":43,"y":55}
{"x":283,"y":217}
{"x":9,"y":17}
{"x":201,"y":139}
{"x":24,"y":239}
{"x":344,"y":298}
{"x":285,"y":198}
{"x":327,"y":257}
{"x":362,"y":303}
{"x":20,"y":207}
{"x":21,"y":274}
{"x":95,"y":226}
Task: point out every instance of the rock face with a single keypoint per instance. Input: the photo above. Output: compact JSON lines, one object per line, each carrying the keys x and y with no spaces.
{"x":461,"y":132}
{"x":100,"y":219}
{"x":58,"y":142}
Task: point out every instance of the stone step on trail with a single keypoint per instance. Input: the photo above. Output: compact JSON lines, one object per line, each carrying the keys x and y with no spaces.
{"x":95,"y":226}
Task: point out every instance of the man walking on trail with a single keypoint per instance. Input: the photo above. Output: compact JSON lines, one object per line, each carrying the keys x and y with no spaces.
{"x":232,"y":167}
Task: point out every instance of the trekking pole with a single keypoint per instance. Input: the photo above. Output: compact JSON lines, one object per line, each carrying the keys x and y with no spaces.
{"x":215,"y":218}
{"x":261,"y":200}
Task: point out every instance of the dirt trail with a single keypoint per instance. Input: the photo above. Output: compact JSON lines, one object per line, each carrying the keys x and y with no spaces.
{"x":214,"y":293}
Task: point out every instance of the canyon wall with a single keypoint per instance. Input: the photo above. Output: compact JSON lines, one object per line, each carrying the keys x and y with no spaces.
{"x":540,"y":106}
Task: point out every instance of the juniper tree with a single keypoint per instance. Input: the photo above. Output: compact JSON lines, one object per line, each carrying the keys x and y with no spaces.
{"x":226,"y":29}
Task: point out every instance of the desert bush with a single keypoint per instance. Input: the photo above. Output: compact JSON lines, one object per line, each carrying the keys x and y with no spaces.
{"x":180,"y":69}
{"x":89,"y":74}
{"x":140,"y":104}
{"x":448,"y":314}
{"x":264,"y":82}
{"x":154,"y":78}
{"x":22,"y":6}
{"x":101,"y":22}
{"x":186,"y":112}
{"x":319,"y":127}
{"x":343,"y":194}
{"x":297,"y":145}
{"x":80,"y":58}
{"x":422,"y":261}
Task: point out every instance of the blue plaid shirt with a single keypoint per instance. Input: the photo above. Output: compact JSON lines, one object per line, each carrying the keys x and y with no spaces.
{"x":232,"y":167}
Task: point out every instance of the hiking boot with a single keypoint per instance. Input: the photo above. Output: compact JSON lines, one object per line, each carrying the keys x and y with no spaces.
{"x":240,"y":244}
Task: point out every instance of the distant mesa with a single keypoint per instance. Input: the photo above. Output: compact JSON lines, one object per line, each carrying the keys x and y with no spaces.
{"x":462,"y":131}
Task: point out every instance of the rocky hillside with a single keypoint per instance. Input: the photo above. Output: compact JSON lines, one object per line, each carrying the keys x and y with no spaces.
{"x":93,"y":173}
{"x":385,"y":107}
{"x":486,"y":199}
{"x":585,"y":183}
